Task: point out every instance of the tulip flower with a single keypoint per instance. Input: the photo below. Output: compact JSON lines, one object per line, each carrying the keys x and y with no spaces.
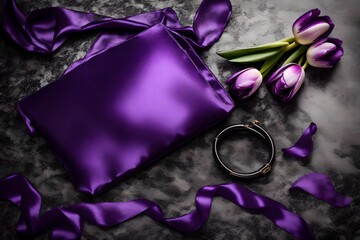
{"x":286,"y":81}
{"x":311,"y":27}
{"x":244,"y":83}
{"x":325,"y":53}
{"x":309,"y":46}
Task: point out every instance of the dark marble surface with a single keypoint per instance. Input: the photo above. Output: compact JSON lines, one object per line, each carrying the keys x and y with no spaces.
{"x":329,"y":97}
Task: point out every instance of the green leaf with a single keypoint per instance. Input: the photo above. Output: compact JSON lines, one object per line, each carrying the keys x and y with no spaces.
{"x":256,"y":57}
{"x":245,"y":51}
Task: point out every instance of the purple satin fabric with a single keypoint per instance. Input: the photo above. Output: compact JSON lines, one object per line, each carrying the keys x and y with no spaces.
{"x":321,"y":187}
{"x":140,"y":91}
{"x":45,"y":30}
{"x":68,"y":222}
{"x":304,"y":146}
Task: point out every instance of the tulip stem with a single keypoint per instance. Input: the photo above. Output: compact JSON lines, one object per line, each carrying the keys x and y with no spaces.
{"x":271,"y":62}
{"x":291,"y":46}
{"x":296,"y":55}
{"x":306,"y":64}
{"x":289,"y":40}
{"x":302,"y":59}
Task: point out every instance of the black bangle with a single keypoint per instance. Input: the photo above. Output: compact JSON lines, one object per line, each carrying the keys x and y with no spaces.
{"x":258,"y":131}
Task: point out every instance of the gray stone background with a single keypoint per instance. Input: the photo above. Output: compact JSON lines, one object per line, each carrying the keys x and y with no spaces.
{"x":329,"y":98}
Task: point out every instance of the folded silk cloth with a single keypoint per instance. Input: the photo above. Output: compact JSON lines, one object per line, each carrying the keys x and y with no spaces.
{"x":138,"y":93}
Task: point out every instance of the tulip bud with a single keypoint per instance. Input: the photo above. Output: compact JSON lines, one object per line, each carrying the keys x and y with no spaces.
{"x":286,"y":81}
{"x":244,"y":83}
{"x":311,"y":27}
{"x":325,"y":53}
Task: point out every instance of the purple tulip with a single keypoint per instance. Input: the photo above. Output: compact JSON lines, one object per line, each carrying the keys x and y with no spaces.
{"x":244,"y":83}
{"x":325,"y":53}
{"x":286,"y":81}
{"x":311,"y":27}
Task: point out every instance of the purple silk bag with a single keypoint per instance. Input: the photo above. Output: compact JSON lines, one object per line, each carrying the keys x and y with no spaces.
{"x":137,"y":94}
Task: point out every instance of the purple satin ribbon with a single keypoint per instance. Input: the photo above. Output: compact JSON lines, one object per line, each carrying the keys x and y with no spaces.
{"x":321,"y":187}
{"x":67,"y":222}
{"x":45,"y":30}
{"x":304,"y":146}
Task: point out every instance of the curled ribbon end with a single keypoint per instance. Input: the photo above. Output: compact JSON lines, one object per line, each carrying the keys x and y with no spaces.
{"x":304,"y":146}
{"x":321,"y":187}
{"x":296,"y":152}
{"x":313,"y":128}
